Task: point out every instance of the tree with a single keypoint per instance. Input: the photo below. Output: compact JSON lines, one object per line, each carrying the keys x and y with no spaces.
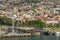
{"x":36,"y":23}
{"x":51,"y":25}
{"x":5,"y":21}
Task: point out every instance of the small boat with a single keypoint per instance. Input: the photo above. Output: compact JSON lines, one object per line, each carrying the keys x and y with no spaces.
{"x":49,"y":33}
{"x":46,"y":33}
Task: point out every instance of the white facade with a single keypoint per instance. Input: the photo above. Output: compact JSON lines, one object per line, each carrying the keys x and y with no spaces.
{"x":54,"y":22}
{"x":56,"y":11}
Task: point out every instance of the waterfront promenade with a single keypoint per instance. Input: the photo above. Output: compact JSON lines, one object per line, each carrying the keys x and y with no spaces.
{"x":19,"y":32}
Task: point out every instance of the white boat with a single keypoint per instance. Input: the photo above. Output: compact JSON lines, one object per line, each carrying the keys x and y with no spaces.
{"x":57,"y":33}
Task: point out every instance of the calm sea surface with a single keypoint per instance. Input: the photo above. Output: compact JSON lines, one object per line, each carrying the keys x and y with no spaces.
{"x":41,"y":37}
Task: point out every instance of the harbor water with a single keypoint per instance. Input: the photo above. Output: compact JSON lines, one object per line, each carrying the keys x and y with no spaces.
{"x":41,"y":37}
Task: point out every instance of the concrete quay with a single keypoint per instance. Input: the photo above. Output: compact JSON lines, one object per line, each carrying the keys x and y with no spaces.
{"x":20,"y":35}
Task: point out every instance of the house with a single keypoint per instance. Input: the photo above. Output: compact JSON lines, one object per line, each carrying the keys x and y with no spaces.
{"x":47,"y":20}
{"x":57,"y":17}
{"x":53,"y":22}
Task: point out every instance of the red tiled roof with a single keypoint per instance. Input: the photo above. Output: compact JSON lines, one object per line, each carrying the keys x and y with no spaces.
{"x":43,"y":18}
{"x":57,"y":17}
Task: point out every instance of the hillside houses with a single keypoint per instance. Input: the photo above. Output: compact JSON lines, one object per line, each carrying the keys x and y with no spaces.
{"x":31,"y":9}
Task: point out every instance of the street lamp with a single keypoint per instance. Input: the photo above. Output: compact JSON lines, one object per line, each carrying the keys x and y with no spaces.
{"x":13,"y":21}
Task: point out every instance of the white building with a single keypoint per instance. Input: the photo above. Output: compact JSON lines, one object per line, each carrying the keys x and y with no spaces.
{"x":56,"y":10}
{"x":53,"y":22}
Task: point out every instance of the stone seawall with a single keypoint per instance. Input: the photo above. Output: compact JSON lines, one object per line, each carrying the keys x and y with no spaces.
{"x":21,"y":35}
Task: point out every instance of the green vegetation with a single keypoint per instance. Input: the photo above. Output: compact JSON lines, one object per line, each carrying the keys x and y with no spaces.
{"x":36,"y":23}
{"x":54,"y":27}
{"x":5,"y":21}
{"x":32,"y":23}
{"x":28,"y":23}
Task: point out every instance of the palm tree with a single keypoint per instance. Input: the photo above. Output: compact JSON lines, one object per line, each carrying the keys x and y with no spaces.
{"x":1,"y":25}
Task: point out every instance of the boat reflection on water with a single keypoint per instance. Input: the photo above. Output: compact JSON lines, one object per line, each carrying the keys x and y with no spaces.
{"x":57,"y":34}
